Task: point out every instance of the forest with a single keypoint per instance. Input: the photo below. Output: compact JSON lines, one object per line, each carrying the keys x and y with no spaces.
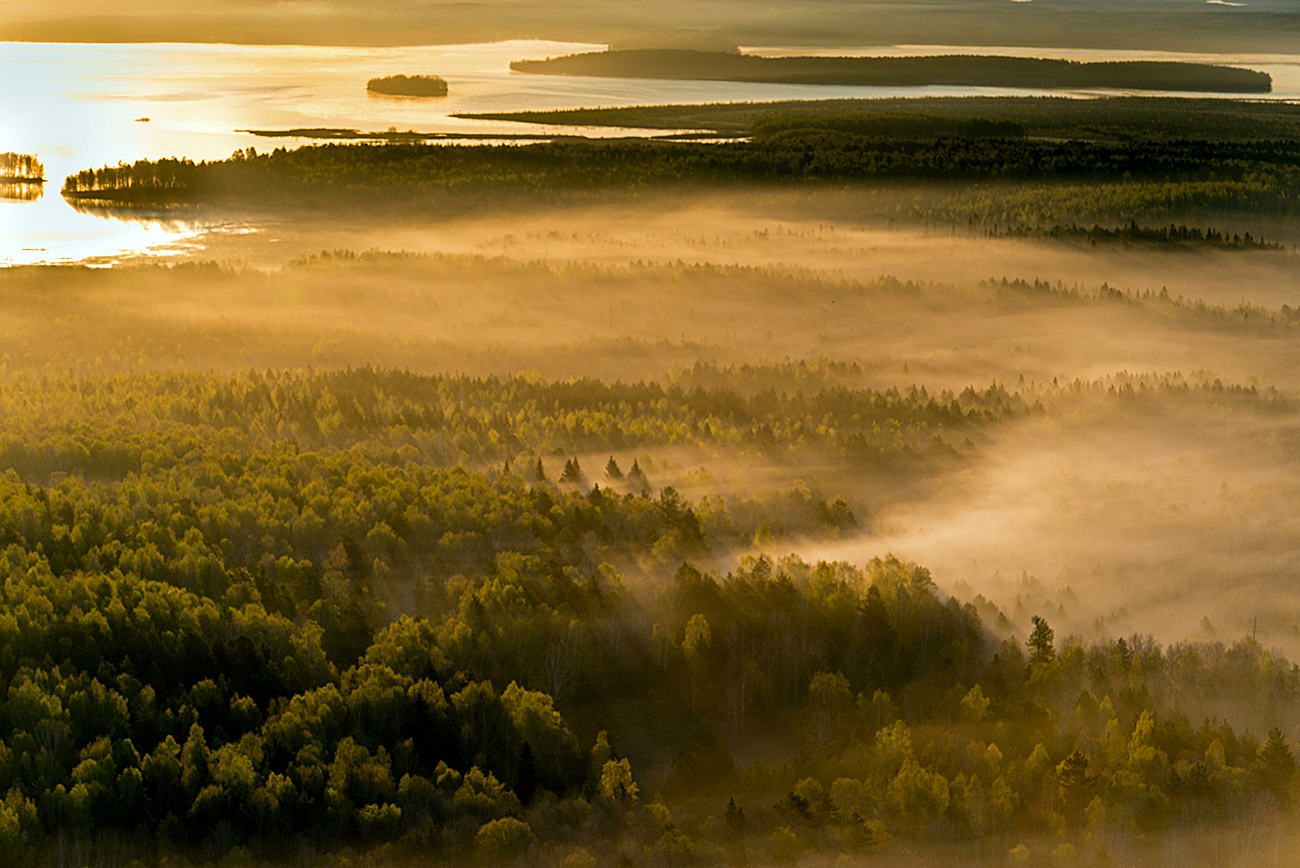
{"x":331,"y":562}
{"x":1173,"y":234}
{"x":1145,"y":180}
{"x":971,"y":70}
{"x":1115,"y":118}
{"x":258,"y":626}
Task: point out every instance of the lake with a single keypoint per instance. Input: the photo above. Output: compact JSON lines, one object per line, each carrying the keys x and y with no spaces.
{"x":77,"y":106}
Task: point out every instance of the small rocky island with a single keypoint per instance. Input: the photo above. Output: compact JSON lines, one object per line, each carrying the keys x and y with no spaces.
{"x":408,"y":85}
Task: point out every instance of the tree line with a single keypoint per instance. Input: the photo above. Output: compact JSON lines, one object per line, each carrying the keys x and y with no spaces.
{"x":20,"y":167}
{"x":970,"y":70}
{"x":1173,"y":235}
{"x":1115,"y":118}
{"x":449,"y":420}
{"x":402,"y":172}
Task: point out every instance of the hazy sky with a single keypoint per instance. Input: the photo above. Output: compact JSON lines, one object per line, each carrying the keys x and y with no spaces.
{"x":1263,"y":25}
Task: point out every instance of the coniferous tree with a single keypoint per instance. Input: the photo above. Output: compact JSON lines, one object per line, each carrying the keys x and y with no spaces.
{"x":636,"y":479}
{"x":1042,"y":651}
{"x":1275,"y":766}
{"x":572,"y":472}
{"x":1074,"y":785}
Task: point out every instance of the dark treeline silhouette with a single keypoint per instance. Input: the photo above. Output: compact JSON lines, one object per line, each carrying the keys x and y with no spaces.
{"x":916,"y":126}
{"x":20,"y":168}
{"x":401,"y":172}
{"x":1115,"y":118}
{"x":409,"y":85}
{"x":971,"y":70}
{"x":145,"y":181}
{"x":1171,"y":235}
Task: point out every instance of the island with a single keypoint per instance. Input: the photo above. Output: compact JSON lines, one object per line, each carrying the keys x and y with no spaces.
{"x":1107,"y":118}
{"x":953,"y":70}
{"x":408,"y":85}
{"x":20,"y":169}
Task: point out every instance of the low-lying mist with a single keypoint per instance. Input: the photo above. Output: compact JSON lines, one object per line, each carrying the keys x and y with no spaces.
{"x":859,"y":233}
{"x":739,"y":529}
{"x":1154,"y":515}
{"x":1173,"y":521}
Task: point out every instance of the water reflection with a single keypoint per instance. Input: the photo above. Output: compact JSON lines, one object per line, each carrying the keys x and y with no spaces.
{"x":21,"y":191}
{"x":402,"y":97}
{"x":172,"y":219}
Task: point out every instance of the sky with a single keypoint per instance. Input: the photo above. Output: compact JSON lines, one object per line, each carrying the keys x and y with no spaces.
{"x":1259,"y":25}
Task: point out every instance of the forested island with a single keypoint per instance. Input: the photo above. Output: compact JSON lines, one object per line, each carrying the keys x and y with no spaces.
{"x":965,"y":70}
{"x":20,"y":169}
{"x":1115,"y":118}
{"x":408,"y":85}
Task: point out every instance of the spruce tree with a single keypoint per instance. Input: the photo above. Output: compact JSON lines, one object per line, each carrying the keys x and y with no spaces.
{"x":1275,"y":767}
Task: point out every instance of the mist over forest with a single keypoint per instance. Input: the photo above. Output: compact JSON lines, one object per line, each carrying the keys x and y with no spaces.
{"x":848,"y":477}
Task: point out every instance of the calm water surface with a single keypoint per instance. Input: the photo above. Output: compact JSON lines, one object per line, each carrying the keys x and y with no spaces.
{"x":78,"y":106}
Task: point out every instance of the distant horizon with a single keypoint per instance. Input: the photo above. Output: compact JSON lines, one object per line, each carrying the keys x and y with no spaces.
{"x":1159,"y":24}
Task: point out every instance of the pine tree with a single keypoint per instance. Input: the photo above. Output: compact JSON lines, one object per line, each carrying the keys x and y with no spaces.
{"x":612,"y":471}
{"x":1040,"y":643}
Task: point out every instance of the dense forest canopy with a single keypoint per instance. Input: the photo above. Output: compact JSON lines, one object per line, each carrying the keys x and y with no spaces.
{"x":321,"y":606}
{"x":1253,"y":177}
{"x":1118,"y":118}
{"x":204,"y":651}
